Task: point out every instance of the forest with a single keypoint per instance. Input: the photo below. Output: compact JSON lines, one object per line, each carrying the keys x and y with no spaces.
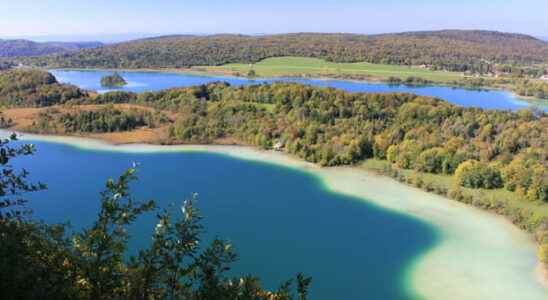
{"x":114,"y":80}
{"x":20,"y":47}
{"x":33,"y":88}
{"x":537,"y":89}
{"x":452,"y":50}
{"x":102,"y":120}
{"x":4,"y":65}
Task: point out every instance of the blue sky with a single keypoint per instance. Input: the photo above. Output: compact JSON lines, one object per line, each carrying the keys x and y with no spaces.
{"x":99,"y":17}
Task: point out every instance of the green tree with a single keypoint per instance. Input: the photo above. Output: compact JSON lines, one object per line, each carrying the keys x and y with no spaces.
{"x":114,"y":80}
{"x":475,"y":174}
{"x":251,"y":74}
{"x":13,"y":183}
{"x":432,"y":160}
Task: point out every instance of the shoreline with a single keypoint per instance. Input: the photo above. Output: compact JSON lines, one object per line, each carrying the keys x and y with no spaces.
{"x":509,"y":252}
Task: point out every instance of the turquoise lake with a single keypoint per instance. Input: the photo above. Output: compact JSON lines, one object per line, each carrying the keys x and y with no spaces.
{"x":154,"y":81}
{"x":280,"y":220}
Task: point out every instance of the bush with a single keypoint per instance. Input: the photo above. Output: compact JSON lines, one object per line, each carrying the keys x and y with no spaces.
{"x":432,"y":160}
{"x":475,"y":174}
{"x":527,"y":176}
{"x":114,"y":80}
{"x":543,"y":253}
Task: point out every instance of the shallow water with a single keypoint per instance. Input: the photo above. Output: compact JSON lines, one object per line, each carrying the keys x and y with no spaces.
{"x":154,"y":81}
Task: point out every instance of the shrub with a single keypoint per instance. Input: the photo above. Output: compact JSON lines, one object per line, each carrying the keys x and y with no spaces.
{"x":475,"y":174}
{"x":431,"y":160}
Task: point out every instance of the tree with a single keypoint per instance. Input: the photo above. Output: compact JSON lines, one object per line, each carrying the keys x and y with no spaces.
{"x":32,"y":254}
{"x":13,"y":183}
{"x":475,"y":174}
{"x":114,"y":80}
{"x":527,"y":175}
{"x":432,"y":160}
{"x":251,"y":74}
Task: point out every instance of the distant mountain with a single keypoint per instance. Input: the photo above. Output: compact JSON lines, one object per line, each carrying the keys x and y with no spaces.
{"x":455,"y":50}
{"x":13,"y":48}
{"x":103,"y":38}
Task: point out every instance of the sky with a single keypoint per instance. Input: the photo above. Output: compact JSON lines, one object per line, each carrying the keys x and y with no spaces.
{"x":102,"y":18}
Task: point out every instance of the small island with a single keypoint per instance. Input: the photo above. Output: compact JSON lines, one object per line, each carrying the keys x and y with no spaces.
{"x":114,"y":80}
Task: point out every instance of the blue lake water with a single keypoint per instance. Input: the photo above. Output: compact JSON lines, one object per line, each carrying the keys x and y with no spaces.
{"x":281,"y":221}
{"x":154,"y":81}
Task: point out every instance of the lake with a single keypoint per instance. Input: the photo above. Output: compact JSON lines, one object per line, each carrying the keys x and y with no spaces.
{"x":280,"y":221}
{"x":359,"y":235}
{"x":154,"y":81}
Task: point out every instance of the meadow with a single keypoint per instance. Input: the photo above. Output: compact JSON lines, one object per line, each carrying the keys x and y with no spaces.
{"x":314,"y":67}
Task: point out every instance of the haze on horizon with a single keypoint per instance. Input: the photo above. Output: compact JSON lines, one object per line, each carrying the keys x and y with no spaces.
{"x":101,"y":19}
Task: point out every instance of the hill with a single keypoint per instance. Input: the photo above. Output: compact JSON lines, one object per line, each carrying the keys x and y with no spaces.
{"x":452,"y":50}
{"x":31,"y":88}
{"x":13,"y":48}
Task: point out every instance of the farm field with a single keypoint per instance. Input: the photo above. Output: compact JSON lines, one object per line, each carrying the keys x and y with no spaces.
{"x":301,"y":66}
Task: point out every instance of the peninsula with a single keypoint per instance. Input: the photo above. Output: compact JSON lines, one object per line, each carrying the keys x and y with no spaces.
{"x":489,"y":159}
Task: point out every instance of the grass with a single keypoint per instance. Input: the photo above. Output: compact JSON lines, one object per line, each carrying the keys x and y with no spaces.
{"x":266,"y":106}
{"x":301,"y":66}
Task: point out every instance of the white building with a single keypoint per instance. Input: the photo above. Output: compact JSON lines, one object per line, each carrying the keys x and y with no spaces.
{"x":544,"y":77}
{"x":279,"y":146}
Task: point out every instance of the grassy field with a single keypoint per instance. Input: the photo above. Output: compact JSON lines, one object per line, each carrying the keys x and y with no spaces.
{"x":300,"y":66}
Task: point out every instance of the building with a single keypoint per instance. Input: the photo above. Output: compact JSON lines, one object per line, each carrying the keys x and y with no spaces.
{"x":279,"y":146}
{"x":544,"y":77}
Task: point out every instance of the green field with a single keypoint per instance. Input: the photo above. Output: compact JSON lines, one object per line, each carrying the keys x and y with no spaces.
{"x":313,"y":67}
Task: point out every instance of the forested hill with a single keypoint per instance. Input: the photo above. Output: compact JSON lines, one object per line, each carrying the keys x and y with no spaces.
{"x":31,"y":88}
{"x":449,"y":50}
{"x":12,"y":48}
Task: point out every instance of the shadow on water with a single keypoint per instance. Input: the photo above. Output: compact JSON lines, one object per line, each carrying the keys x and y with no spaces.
{"x":281,"y":221}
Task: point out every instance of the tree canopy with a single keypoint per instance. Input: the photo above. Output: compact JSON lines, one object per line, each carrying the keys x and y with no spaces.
{"x":34,"y":88}
{"x":114,"y":80}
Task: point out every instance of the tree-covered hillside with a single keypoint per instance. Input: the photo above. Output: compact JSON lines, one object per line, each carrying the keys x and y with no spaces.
{"x":32,"y":88}
{"x":448,"y":50}
{"x":13,"y":48}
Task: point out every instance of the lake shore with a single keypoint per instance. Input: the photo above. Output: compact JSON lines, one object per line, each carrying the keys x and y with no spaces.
{"x":496,"y":260}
